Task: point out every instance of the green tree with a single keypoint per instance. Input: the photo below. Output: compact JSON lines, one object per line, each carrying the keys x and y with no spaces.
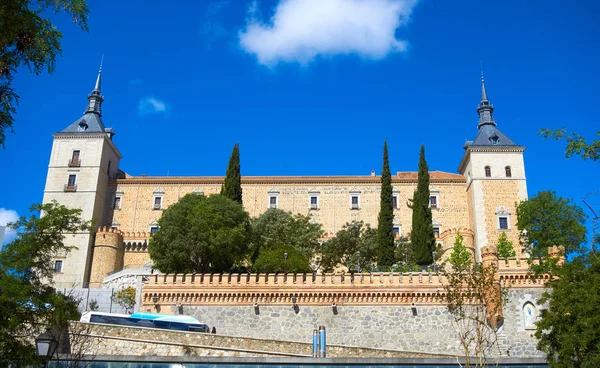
{"x":385,"y":221}
{"x":404,"y":253}
{"x":28,"y":39}
{"x":506,"y":248}
{"x":568,"y":331}
{"x":422,"y":236}
{"x":474,"y":300}
{"x":460,"y":258}
{"x":28,"y":302}
{"x":275,"y":228}
{"x":200,"y":234}
{"x":125,"y":297}
{"x":546,"y":220}
{"x":282,"y":258}
{"x":354,"y":247}
{"x":576,"y":144}
{"x":232,"y":185}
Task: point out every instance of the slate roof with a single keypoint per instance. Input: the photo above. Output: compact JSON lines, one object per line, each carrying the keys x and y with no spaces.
{"x":91,"y":119}
{"x":490,"y":135}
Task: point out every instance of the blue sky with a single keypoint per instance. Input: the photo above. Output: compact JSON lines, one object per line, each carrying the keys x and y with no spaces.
{"x":310,"y":87}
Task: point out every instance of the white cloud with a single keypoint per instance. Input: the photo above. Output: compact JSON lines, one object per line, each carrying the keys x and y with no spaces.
{"x":7,"y":216}
{"x":301,"y":30}
{"x":150,"y":106}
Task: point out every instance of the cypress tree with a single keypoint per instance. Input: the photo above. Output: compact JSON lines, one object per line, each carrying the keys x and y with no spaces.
{"x":232,"y":185}
{"x":385,"y":221}
{"x":422,"y":237}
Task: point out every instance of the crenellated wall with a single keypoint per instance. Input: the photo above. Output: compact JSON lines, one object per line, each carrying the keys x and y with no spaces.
{"x":398,"y":311}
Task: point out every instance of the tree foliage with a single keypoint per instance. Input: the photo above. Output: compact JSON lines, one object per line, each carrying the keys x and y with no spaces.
{"x":282,"y":259}
{"x":422,"y":236}
{"x":505,"y":247}
{"x":200,"y":234}
{"x":460,"y":258}
{"x":569,"y":329}
{"x":354,"y":247}
{"x":27,"y":39}
{"x":385,"y":221}
{"x":232,"y":185}
{"x":404,"y":253}
{"x":547,"y":220}
{"x":275,"y":228}
{"x":125,"y":297}
{"x":28,"y":302}
{"x":474,"y":300}
{"x":576,"y":144}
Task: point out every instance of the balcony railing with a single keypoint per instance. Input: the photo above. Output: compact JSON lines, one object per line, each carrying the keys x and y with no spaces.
{"x":273,"y":205}
{"x":70,"y":188}
{"x":157,"y":206}
{"x":314,"y":206}
{"x":355,"y":206}
{"x":74,"y":162}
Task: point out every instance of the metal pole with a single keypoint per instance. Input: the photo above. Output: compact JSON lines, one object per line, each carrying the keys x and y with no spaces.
{"x":322,"y":342}
{"x":315,"y":343}
{"x":111,"y":295}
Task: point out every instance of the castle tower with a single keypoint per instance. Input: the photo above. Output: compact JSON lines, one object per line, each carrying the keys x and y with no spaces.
{"x":83,"y":160}
{"x":108,"y":255}
{"x":495,"y":180}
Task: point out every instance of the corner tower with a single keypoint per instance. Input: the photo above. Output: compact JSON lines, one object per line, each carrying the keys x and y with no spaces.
{"x":494,"y":170}
{"x":83,"y":160}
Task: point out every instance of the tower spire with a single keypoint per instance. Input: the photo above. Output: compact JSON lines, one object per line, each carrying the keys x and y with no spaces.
{"x":485,"y":109}
{"x":95,"y":97}
{"x":99,"y":79}
{"x":483,"y":92}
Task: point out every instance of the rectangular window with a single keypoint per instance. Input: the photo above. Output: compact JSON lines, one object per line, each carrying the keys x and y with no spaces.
{"x":436,"y":232}
{"x":58,"y":266}
{"x":117,"y":205}
{"x":396,"y":231}
{"x":157,"y":203}
{"x":72,"y":179}
{"x":108,"y":169}
{"x":273,"y":202}
{"x":153,"y":229}
{"x":433,"y":202}
{"x":74,"y":161}
{"x":314,"y":202}
{"x":503,"y":223}
{"x":395,"y":202}
{"x":354,"y":202}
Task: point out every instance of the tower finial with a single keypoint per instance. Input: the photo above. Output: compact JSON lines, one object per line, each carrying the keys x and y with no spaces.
{"x":95,"y":98}
{"x":99,"y":79}
{"x":483,"y":92}
{"x":485,"y":109}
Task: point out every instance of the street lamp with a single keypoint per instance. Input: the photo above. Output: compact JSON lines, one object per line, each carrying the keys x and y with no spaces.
{"x":434,"y":265}
{"x":46,"y":345}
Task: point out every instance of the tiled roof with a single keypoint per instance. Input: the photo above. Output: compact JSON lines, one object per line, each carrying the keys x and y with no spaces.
{"x":435,"y":176}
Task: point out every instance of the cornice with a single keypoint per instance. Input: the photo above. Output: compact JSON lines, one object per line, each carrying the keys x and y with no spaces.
{"x":284,"y":180}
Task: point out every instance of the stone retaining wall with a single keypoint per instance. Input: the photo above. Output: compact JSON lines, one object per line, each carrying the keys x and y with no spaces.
{"x":119,"y":340}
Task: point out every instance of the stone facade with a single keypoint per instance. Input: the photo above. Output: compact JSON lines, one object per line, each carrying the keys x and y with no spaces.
{"x":84,"y":173}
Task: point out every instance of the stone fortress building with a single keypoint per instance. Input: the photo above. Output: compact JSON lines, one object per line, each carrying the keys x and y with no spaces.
{"x":479,"y":201}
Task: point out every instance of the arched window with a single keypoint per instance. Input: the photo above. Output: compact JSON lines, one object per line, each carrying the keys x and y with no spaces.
{"x":508,"y":172}
{"x":488,"y":172}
